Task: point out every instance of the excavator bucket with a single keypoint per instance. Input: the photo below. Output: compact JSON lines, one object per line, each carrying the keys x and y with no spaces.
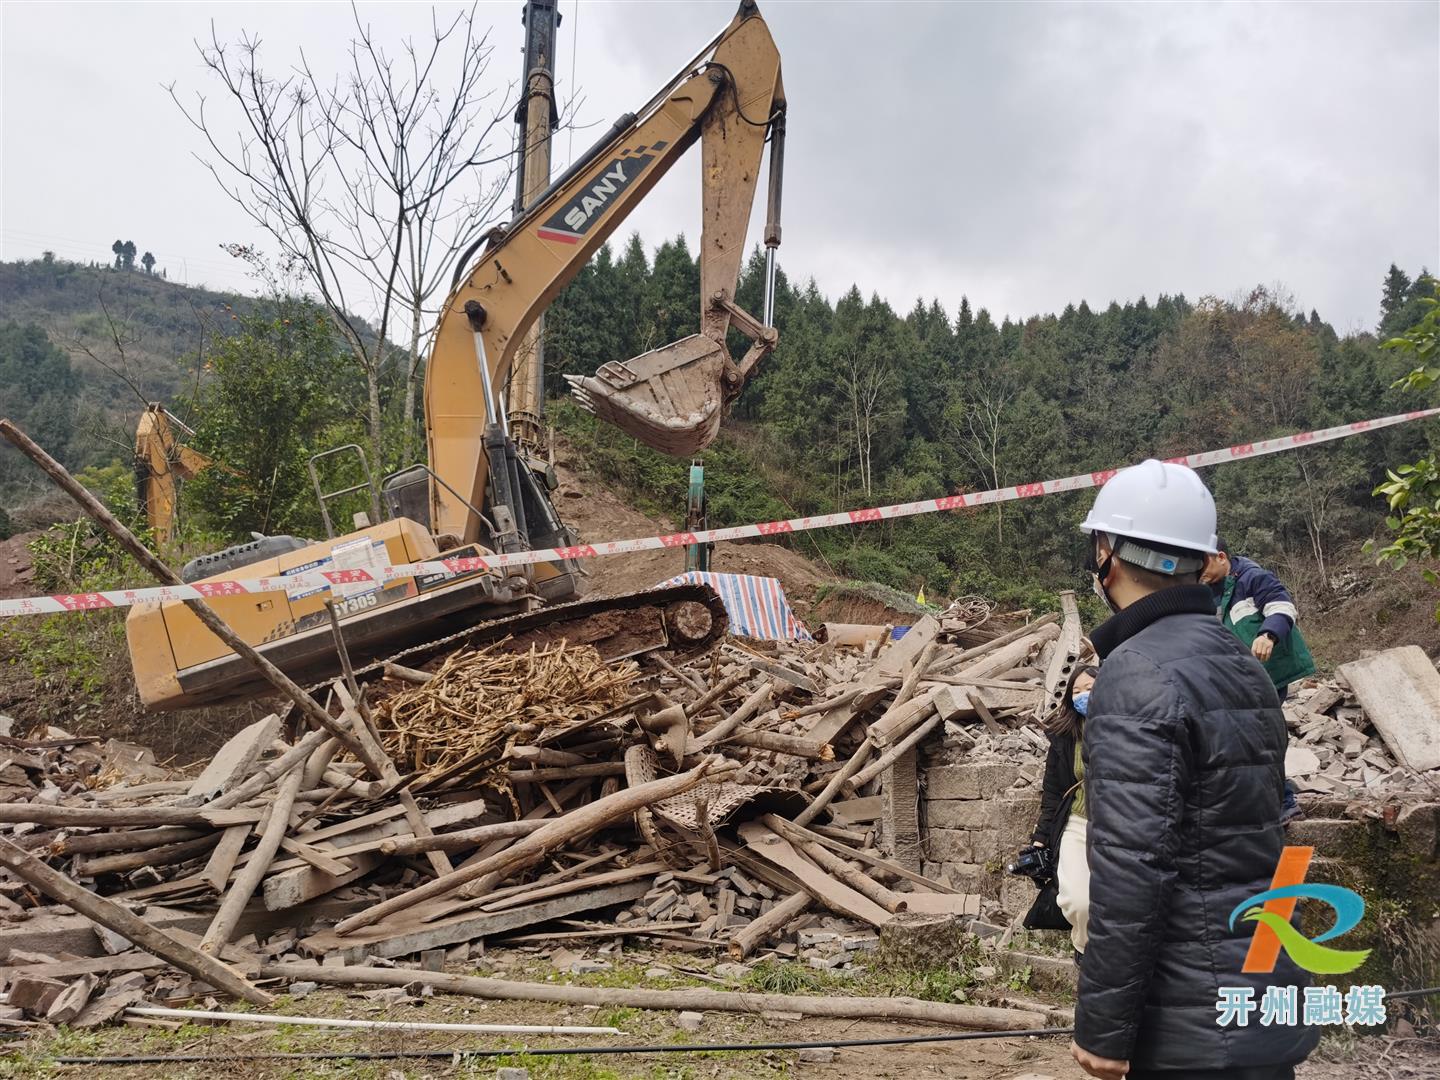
{"x":671,"y":398}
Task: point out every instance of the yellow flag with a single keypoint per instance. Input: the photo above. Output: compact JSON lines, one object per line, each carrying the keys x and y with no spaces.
{"x":920,"y":596}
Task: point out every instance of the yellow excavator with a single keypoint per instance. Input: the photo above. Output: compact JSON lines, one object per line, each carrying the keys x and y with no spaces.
{"x":482,"y":491}
{"x":161,"y":461}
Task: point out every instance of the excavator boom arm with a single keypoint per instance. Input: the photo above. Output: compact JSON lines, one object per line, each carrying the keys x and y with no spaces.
{"x":672,"y":398}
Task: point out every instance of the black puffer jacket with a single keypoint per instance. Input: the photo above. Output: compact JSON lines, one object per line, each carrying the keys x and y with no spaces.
{"x":1184,"y":772}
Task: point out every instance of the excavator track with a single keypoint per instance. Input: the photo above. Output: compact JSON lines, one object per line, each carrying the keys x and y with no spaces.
{"x":681,"y":619}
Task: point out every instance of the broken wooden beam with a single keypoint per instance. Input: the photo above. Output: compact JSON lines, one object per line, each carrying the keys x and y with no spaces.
{"x":112,"y":916}
{"x":860,"y":1008}
{"x":248,"y":880}
{"x":579,"y":822}
{"x":835,"y":895}
{"x":767,"y":925}
{"x":462,"y":840}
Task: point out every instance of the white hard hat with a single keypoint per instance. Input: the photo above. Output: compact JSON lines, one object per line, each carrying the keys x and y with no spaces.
{"x":1156,"y":501}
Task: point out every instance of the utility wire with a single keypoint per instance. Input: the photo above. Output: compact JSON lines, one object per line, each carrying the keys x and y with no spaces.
{"x":567,"y":1051}
{"x":577,"y":1051}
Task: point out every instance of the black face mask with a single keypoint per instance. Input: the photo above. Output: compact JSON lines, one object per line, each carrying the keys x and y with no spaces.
{"x":1100,"y":571}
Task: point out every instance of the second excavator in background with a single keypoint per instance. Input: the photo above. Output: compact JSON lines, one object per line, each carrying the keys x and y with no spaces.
{"x":481,"y":491}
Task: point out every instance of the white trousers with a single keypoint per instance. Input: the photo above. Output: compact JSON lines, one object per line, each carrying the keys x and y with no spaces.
{"x":1072,"y":880}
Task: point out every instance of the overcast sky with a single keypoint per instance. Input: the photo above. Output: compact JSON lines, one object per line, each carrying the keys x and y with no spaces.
{"x":1028,"y":155}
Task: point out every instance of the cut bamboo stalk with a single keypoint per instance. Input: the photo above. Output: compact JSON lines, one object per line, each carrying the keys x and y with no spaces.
{"x":128,"y":925}
{"x":557,"y":833}
{"x":772,"y":922}
{"x":887,"y":1008}
{"x":248,"y":880}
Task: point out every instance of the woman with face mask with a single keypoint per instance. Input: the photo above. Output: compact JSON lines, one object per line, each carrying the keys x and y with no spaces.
{"x":1057,"y":854}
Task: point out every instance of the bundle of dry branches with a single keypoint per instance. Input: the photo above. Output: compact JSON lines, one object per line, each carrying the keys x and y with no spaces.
{"x":483,"y":701}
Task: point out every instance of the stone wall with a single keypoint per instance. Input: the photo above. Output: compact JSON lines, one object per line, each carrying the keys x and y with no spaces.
{"x":977,"y":815}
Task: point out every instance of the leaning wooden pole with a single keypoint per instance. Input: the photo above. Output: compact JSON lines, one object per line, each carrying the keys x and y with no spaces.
{"x":203,"y":611}
{"x":128,"y":925}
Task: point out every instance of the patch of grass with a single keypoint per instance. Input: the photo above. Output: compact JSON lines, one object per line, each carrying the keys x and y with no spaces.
{"x":781,"y":977}
{"x":624,"y":1019}
{"x":1020,"y":978}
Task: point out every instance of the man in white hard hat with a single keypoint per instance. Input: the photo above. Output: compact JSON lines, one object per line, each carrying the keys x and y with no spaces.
{"x":1184,"y":752}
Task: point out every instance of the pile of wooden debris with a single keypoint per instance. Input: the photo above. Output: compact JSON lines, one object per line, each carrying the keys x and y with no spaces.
{"x":721,"y":802}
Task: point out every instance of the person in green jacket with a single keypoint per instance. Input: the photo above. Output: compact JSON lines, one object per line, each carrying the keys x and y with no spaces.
{"x":1258,"y":609}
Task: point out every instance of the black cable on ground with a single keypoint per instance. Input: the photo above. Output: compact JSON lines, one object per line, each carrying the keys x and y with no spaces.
{"x":1429,"y":991}
{"x":567,"y":1051}
{"x":574,"y":1051}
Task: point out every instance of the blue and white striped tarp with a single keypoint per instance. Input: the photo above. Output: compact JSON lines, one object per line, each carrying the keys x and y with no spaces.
{"x":756,"y":605}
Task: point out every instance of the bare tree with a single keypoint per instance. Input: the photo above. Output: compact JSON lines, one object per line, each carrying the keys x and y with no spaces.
{"x":372,"y":182}
{"x":867,"y":380}
{"x":976,"y":420}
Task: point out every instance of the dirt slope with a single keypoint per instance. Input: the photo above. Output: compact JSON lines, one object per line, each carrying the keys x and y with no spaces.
{"x":597,"y":513}
{"x":15,"y":566}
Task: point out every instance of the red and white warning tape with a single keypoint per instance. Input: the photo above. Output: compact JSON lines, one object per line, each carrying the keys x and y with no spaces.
{"x":322,"y":579}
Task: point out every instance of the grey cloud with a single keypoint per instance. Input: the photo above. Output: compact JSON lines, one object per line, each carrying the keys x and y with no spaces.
{"x":1027,"y":155}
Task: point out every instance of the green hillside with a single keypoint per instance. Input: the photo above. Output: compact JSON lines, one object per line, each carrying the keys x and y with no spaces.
{"x":81,"y":347}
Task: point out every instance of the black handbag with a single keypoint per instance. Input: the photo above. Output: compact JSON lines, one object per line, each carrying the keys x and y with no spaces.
{"x":1044,"y":913}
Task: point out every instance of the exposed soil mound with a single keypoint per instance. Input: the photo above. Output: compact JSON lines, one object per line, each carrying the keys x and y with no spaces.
{"x":597,"y":513}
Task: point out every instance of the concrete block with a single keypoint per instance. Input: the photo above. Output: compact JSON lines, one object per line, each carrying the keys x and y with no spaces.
{"x":1327,"y":836}
{"x":1419,"y":829}
{"x":1016,"y":894}
{"x":951,"y":846}
{"x":690,"y":1021}
{"x":817,"y":1055}
{"x":978,"y":780}
{"x":960,"y":813}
